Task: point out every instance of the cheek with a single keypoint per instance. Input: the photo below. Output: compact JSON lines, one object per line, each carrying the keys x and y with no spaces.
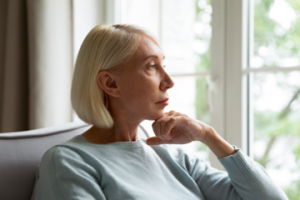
{"x":139,"y":97}
{"x":141,"y":90}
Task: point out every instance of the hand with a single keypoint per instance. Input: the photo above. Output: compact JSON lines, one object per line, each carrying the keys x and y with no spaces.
{"x":178,"y":128}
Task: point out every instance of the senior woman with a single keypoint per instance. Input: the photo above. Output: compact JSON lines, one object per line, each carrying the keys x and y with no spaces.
{"x":119,"y":81}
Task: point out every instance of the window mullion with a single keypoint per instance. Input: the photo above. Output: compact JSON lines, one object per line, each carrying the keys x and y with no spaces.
{"x":236,"y":83}
{"x":113,"y":11}
{"x":216,"y":87}
{"x":271,"y":69}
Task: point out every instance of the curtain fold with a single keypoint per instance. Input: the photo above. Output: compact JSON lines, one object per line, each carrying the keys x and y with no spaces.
{"x":14,"y":66}
{"x":50,"y":62}
{"x":36,"y":63}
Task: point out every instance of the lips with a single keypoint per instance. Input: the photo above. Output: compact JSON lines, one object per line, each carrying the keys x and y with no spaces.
{"x":163,"y":101}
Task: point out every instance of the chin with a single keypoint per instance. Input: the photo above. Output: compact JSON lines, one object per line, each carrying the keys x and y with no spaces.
{"x":156,"y":115}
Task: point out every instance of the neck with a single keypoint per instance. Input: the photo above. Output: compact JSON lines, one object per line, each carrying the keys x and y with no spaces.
{"x":125,"y":126}
{"x":122,"y":131}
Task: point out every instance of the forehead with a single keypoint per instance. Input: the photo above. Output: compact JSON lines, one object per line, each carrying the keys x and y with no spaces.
{"x":148,"y":47}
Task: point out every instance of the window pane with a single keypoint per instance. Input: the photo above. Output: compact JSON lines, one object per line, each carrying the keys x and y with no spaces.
{"x":182,"y":28}
{"x":143,"y":13}
{"x":186,"y":33}
{"x":277,"y":128}
{"x":276,"y":33}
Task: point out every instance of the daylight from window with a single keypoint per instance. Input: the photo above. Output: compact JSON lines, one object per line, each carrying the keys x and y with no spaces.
{"x":276,"y":95}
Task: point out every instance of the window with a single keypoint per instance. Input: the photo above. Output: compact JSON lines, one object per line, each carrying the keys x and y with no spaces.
{"x":261,"y":78}
{"x":275,"y":94}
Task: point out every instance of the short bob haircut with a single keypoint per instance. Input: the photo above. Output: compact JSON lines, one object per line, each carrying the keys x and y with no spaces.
{"x":105,"y":47}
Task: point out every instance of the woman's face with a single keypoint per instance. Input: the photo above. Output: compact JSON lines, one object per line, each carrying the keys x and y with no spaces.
{"x":143,"y":82}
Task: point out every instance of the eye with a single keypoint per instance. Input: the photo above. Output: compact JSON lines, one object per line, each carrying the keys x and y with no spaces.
{"x":152,"y":66}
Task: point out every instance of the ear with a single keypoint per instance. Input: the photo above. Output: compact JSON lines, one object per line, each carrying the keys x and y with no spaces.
{"x":107,"y":82}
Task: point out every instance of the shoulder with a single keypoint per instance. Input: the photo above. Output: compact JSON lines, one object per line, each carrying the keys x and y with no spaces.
{"x":69,"y":150}
{"x":57,"y":155}
{"x":64,"y":161}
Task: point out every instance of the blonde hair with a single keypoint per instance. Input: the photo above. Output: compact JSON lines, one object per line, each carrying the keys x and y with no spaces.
{"x":104,"y":48}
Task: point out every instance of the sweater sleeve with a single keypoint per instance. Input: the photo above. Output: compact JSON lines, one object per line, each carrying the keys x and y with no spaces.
{"x":64,"y":175}
{"x":245,"y":179}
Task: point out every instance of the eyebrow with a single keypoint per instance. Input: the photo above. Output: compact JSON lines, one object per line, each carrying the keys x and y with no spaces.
{"x":152,"y":56}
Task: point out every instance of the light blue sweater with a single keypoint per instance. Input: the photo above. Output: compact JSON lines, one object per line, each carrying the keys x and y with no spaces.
{"x":78,"y":169}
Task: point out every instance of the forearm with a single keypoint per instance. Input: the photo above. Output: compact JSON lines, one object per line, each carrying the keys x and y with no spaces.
{"x":248,"y":178}
{"x":220,"y":147}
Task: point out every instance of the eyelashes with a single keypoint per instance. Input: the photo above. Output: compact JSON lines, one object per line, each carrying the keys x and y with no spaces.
{"x":155,"y":65}
{"x":152,"y":66}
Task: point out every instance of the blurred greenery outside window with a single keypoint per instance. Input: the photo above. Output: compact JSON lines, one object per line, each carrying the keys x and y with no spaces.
{"x":276,"y":95}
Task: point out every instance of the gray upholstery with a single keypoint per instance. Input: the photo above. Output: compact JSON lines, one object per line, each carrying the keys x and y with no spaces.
{"x":21,"y":152}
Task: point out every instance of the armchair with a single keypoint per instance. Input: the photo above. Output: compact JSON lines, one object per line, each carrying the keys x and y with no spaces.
{"x":21,"y":152}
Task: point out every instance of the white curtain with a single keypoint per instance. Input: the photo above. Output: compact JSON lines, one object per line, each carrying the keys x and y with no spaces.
{"x":50,"y":62}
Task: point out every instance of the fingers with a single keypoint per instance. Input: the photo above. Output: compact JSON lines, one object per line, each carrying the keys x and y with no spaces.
{"x":170,"y":112}
{"x":176,"y":128}
{"x":163,"y":127}
{"x":162,"y":124}
{"x":168,"y":127}
{"x":173,"y":113}
{"x":158,"y":128}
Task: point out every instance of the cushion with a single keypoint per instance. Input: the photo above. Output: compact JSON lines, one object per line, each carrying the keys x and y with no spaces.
{"x":21,"y":152}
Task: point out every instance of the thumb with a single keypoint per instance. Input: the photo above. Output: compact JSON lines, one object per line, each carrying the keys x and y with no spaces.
{"x":156,"y":141}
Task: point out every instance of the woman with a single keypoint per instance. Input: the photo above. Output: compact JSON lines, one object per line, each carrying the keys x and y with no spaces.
{"x":118,"y":82}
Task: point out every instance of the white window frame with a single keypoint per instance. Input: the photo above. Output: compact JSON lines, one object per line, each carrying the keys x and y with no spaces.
{"x":228,"y":84}
{"x":232,"y":74}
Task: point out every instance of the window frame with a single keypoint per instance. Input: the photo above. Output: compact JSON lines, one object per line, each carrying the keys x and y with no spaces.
{"x":238,"y":76}
{"x":229,"y":91}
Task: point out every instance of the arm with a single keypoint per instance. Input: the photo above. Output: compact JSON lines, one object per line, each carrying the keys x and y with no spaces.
{"x":217,"y":144}
{"x":246,"y":179}
{"x":64,"y":175}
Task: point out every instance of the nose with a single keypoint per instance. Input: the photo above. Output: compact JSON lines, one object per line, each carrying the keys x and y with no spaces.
{"x":166,"y":82}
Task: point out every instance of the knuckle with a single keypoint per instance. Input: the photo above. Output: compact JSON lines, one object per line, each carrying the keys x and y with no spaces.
{"x":184,"y":116}
{"x":171,"y":112}
{"x":178,"y":114}
{"x":164,"y":120}
{"x":172,"y":119}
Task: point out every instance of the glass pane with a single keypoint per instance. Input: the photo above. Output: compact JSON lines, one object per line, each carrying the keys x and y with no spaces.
{"x":182,"y":28}
{"x":276,"y":33}
{"x":143,"y":13}
{"x":188,"y":96}
{"x":277,"y":128}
